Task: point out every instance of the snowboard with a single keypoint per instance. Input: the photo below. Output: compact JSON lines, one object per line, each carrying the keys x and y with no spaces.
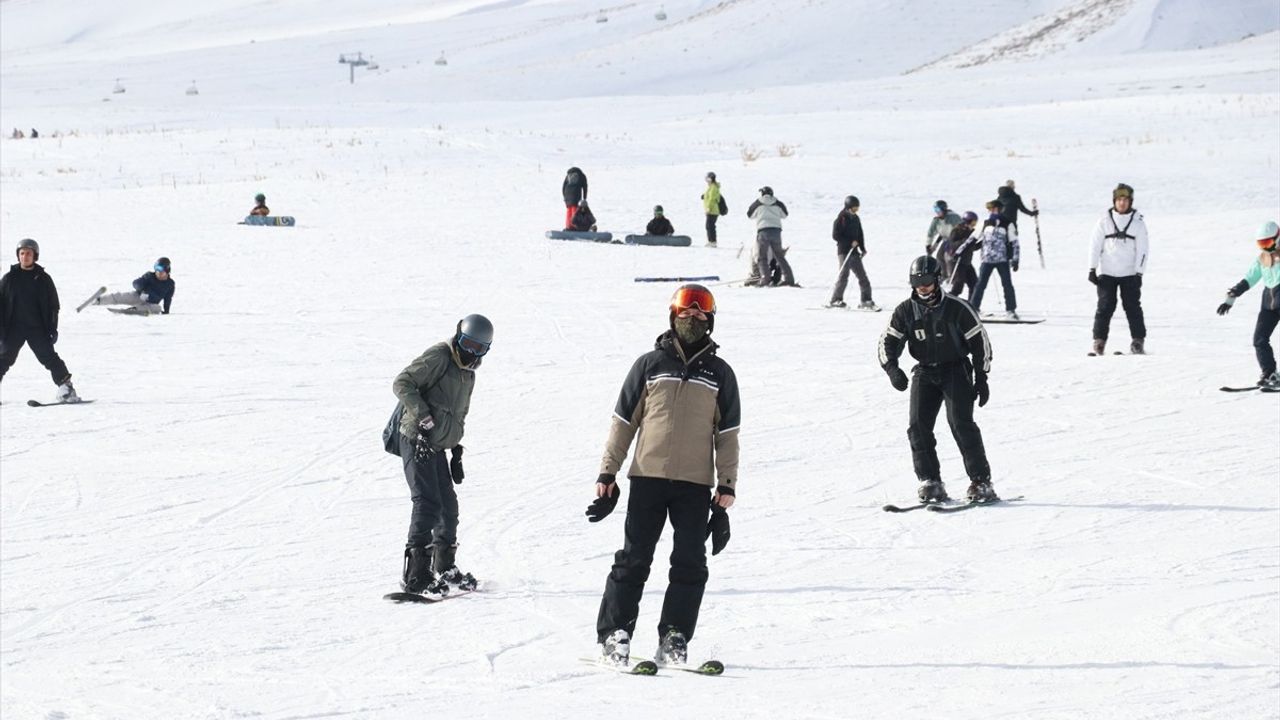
{"x":665,"y":240}
{"x":695,"y":278}
{"x":140,"y":312}
{"x":101,"y":291}
{"x":853,"y":308}
{"x":278,"y":220}
{"x":37,"y":403}
{"x":600,"y":237}
{"x":408,"y":597}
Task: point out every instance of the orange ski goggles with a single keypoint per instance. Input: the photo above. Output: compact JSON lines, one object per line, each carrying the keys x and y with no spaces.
{"x":693,"y":296}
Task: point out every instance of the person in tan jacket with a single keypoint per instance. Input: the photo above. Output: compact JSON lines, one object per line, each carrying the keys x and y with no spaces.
{"x":680,"y":404}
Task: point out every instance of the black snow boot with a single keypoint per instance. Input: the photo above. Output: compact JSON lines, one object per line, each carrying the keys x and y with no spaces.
{"x":417,"y":573}
{"x":932,"y":491}
{"x":980,"y":491}
{"x":448,"y":569}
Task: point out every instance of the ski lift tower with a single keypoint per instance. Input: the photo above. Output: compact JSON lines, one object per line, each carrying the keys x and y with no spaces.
{"x":353,"y":63}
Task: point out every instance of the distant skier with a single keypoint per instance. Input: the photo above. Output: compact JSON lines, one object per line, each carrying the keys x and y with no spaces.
{"x":574,"y":190}
{"x":260,"y":205}
{"x":1117,"y":260}
{"x":1011,"y":205}
{"x":768,"y":213}
{"x":942,"y":333}
{"x":679,"y":403}
{"x":435,"y":394}
{"x":1000,"y":254}
{"x":959,"y":253}
{"x":944,"y":220}
{"x":152,"y":292}
{"x":851,"y":247}
{"x":659,"y":225}
{"x":1266,"y":268}
{"x":29,"y":316}
{"x":713,"y":205}
{"x":583,"y":220}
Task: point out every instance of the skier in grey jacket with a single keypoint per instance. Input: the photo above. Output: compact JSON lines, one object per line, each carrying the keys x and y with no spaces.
{"x":435,"y":394}
{"x":768,"y":213}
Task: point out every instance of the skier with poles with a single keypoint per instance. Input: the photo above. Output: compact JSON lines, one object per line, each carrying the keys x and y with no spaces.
{"x":1266,"y":270}
{"x":850,"y":248}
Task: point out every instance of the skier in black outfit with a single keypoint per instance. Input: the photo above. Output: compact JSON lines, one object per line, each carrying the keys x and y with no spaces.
{"x":574,"y":190}
{"x":679,"y":403}
{"x":851,"y":247}
{"x":1011,"y":204}
{"x":29,"y":316}
{"x":960,"y":250}
{"x":941,"y":332}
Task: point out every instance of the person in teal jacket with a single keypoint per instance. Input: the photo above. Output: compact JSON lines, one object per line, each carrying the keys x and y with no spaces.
{"x":1266,"y":269}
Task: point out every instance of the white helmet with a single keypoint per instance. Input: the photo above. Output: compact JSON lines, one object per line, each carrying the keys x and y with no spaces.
{"x":1268,"y":230}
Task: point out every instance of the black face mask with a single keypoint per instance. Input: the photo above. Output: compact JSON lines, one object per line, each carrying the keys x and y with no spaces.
{"x":691,"y":331}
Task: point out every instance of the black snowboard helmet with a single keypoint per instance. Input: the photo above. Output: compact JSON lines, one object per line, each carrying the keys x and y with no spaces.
{"x":925,"y":270}
{"x":259,"y":198}
{"x":28,"y":243}
{"x":851,"y":201}
{"x":163,"y":263}
{"x":657,"y":209}
{"x":474,"y":335}
{"x":766,"y":190}
{"x":711,"y":177}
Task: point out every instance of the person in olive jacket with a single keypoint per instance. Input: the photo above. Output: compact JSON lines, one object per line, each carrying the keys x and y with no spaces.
{"x":29,"y":316}
{"x":681,"y":401}
{"x":435,"y":394}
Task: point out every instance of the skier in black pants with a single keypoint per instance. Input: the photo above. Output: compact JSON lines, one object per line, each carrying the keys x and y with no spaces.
{"x":682,"y":401}
{"x":1265,"y":270}
{"x":1117,"y":260}
{"x":960,"y":251}
{"x":851,"y":247}
{"x":29,"y":316}
{"x":941,"y":332}
{"x":435,"y":396}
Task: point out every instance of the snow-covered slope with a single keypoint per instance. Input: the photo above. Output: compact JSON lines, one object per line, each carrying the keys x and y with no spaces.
{"x":211,"y":538}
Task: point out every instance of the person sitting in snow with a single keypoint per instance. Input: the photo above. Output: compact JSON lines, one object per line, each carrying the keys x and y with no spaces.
{"x":583,"y":220}
{"x":260,"y":206}
{"x":659,"y":225}
{"x":152,"y":293}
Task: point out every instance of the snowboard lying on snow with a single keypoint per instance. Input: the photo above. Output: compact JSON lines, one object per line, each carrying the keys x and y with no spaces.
{"x":280,"y":220}
{"x":601,"y":237}
{"x":667,"y":240}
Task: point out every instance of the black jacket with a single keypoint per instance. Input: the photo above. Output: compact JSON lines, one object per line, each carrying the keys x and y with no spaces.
{"x":157,"y":290}
{"x":959,"y":235}
{"x":28,"y":298}
{"x":1010,"y":204}
{"x":942,"y":334}
{"x":583,"y":220}
{"x":847,"y":232}
{"x":574,"y":187}
{"x":659,"y":226}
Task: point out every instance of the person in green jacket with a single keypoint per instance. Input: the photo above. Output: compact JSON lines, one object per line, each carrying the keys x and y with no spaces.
{"x":435,"y":394}
{"x":713,"y":205}
{"x":1267,"y":270}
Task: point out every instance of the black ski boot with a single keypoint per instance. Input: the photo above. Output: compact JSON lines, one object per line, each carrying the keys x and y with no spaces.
{"x":616,"y":648}
{"x":449,"y":572}
{"x":932,"y":491}
{"x":416,"y":575}
{"x":981,"y":492}
{"x":673,"y":650}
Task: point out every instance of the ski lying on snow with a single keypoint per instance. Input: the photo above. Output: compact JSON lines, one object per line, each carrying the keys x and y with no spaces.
{"x":970,"y":505}
{"x":37,"y":403}
{"x":101,"y":291}
{"x":640,"y":667}
{"x":1227,"y":388}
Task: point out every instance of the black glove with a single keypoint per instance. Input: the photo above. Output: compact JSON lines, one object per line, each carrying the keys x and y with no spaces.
{"x":455,"y":466}
{"x":1014,"y":265}
{"x":1224,"y":308}
{"x":1093,"y":276}
{"x":981,"y":388}
{"x":897,"y":378}
{"x":603,"y":505}
{"x":718,"y":529}
{"x":53,"y":338}
{"x":1034,"y":213}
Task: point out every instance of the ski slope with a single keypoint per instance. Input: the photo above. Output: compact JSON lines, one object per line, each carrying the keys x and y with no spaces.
{"x":212,"y":537}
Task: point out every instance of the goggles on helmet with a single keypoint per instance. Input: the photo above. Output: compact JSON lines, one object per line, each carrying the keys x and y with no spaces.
{"x":1267,"y":243}
{"x":686,"y":298}
{"x":160,"y":268}
{"x":472,"y":345}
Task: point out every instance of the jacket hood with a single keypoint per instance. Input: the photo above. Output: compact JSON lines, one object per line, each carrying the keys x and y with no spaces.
{"x":767,"y":200}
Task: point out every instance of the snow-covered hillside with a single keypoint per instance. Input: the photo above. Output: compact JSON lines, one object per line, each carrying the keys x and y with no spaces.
{"x":211,"y":538}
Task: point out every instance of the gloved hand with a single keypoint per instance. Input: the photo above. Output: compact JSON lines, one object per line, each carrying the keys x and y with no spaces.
{"x":53,"y":337}
{"x":606,"y":500}
{"x":980,"y":386}
{"x":455,"y":466}
{"x":897,"y":378}
{"x":1225,"y":307}
{"x":1014,"y":265}
{"x":1093,"y":276}
{"x":423,"y":449}
{"x":144,"y":297}
{"x":718,"y":529}
{"x":1034,"y":213}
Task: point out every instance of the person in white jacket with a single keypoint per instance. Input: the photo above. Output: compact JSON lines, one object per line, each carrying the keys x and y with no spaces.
{"x":768,"y":213}
{"x":1117,"y":260}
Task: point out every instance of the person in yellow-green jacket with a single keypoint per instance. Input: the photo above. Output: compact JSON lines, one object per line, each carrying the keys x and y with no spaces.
{"x":714,"y":206}
{"x":1265,"y":269}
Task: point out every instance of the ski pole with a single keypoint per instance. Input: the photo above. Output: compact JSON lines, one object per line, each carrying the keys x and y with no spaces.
{"x":843,"y":265}
{"x":1039,"y":249}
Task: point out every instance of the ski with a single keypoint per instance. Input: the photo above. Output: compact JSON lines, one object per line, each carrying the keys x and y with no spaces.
{"x":851,"y":308}
{"x":136,"y":311}
{"x":996,"y":320}
{"x":101,"y":291}
{"x":1227,"y":388}
{"x":640,"y":667}
{"x":709,"y":667}
{"x":37,"y":403}
{"x":971,"y":505}
{"x":906,"y":508}
{"x":1039,"y":249}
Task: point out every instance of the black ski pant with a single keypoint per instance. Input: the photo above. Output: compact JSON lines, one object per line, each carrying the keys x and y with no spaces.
{"x":435,"y":503}
{"x":13,"y":340}
{"x":930,"y":387}
{"x":652,"y":501}
{"x":1006,"y":281}
{"x":1130,"y":289}
{"x":851,"y":262}
{"x":963,"y":275}
{"x":711,"y":228}
{"x":1267,"y":321}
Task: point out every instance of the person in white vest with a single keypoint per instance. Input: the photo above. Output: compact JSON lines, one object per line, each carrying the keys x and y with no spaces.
{"x":768,"y":213}
{"x":1117,"y":260}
